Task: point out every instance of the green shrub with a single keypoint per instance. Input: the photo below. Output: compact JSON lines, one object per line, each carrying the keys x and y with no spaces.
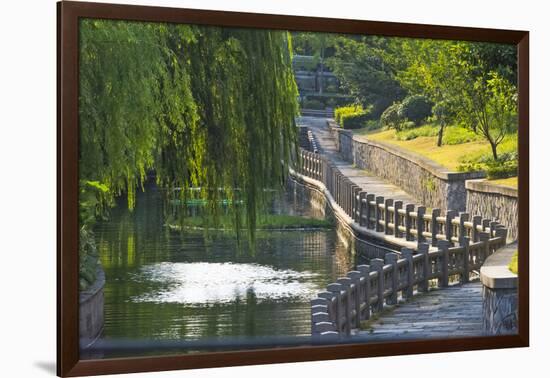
{"x":505,"y":169}
{"x":354,"y":120}
{"x":352,"y":116}
{"x":415,"y":108}
{"x":392,"y":118}
{"x":506,"y":165}
{"x":348,"y":109}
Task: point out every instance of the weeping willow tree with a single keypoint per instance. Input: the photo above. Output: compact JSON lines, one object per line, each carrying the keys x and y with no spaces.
{"x":199,"y":106}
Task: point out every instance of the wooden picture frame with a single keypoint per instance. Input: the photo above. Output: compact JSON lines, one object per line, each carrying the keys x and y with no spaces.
{"x":68,"y":361}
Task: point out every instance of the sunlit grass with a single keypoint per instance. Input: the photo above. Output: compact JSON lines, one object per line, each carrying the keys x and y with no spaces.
{"x":450,"y":156}
{"x":510,"y":181}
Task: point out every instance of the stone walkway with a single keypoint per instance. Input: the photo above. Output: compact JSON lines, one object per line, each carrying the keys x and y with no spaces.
{"x":455,"y":311}
{"x":368,"y":182}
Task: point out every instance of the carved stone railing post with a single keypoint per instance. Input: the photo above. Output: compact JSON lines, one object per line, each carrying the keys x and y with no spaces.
{"x":463,"y":217}
{"x":485,"y":224}
{"x":484,"y":237}
{"x":391,"y":258}
{"x":397,"y":205}
{"x":409,"y":208}
{"x":435,"y":225}
{"x":365,"y":273}
{"x":424,"y":249}
{"x":492,"y":227}
{"x":370,"y":198}
{"x":337,"y":290}
{"x":476,"y":221}
{"x":357,"y":204}
{"x":465,"y":276}
{"x":362,"y":208}
{"x":449,"y":216}
{"x":420,"y":211}
{"x":355,"y":277}
{"x":502,"y":232}
{"x":378,"y":266}
{"x":348,"y":302}
{"x":378,"y":213}
{"x":407,"y":254}
{"x":387,"y":204}
{"x":443,"y":246}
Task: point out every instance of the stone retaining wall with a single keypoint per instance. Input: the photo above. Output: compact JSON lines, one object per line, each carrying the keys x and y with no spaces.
{"x":361,"y":247}
{"x":500,"y":295}
{"x":494,"y":201}
{"x":91,"y":304}
{"x":430,"y":183}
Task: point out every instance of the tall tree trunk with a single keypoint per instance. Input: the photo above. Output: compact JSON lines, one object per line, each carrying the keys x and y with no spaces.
{"x":494,"y":149}
{"x":440,"y":135}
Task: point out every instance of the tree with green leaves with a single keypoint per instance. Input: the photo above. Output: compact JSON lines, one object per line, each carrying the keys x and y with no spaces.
{"x":362,"y":70}
{"x":465,"y":80}
{"x":208,"y":111}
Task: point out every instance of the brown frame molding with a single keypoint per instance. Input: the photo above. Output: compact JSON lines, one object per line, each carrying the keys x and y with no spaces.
{"x":68,"y":14}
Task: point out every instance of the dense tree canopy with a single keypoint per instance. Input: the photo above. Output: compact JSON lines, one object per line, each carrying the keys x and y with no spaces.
{"x":470,"y":83}
{"x":203,"y":107}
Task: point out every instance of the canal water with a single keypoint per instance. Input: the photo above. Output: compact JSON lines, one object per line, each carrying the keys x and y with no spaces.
{"x":168,"y":285}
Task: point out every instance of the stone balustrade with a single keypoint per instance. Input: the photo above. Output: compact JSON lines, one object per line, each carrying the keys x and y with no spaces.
{"x":447,"y":245}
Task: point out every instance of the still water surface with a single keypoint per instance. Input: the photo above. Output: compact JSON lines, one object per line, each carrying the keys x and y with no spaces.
{"x":162,"y":284}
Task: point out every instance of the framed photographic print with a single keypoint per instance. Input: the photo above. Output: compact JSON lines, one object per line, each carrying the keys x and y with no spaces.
{"x":238,"y":188}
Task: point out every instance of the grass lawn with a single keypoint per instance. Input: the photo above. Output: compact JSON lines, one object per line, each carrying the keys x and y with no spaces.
{"x":266,"y":222}
{"x":448,"y":155}
{"x":510,"y":181}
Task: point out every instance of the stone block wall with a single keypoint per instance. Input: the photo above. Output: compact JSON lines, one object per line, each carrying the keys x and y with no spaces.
{"x":500,"y":308}
{"x":500,"y":293}
{"x":493,"y":201}
{"x":345,"y":144}
{"x":431,"y":184}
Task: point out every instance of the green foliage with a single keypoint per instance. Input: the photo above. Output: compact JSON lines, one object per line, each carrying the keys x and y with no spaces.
{"x":475,"y":86}
{"x":347,"y":109}
{"x":459,"y":135}
{"x":502,"y":169}
{"x":392,"y":117}
{"x":359,"y":64}
{"x":352,"y":116}
{"x":506,"y":165}
{"x":513,"y":265}
{"x":266,"y":222}
{"x":355,"y":120}
{"x":415,"y":108}
{"x":88,"y":261}
{"x":198,"y":106}
{"x":415,"y":132}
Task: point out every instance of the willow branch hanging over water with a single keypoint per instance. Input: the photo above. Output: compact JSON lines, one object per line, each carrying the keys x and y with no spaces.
{"x":199,"y":106}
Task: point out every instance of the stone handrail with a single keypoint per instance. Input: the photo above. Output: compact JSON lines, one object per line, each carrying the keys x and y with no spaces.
{"x":459,"y":246}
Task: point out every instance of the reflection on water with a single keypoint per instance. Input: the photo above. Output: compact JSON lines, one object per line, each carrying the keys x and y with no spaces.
{"x":226,"y":283}
{"x":162,"y":284}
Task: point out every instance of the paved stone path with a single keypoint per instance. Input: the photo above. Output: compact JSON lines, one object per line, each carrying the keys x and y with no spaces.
{"x":455,"y":311}
{"x":368,"y":182}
